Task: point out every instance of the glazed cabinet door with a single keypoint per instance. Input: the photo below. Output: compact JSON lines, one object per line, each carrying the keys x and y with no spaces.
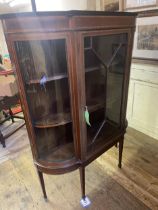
{"x":104,"y":64}
{"x":43,"y":63}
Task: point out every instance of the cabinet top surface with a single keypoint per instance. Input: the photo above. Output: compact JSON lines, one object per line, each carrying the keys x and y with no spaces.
{"x":68,"y":13}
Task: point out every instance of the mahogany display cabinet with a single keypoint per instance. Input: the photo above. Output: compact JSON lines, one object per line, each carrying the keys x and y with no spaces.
{"x":73,"y":73}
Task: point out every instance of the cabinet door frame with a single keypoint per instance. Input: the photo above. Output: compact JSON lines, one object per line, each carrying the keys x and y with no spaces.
{"x":81,"y":79}
{"x":11,"y":38}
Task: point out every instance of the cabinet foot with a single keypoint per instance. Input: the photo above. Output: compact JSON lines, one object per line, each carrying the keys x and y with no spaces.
{"x":40,"y":175}
{"x":120,"y":165}
{"x":85,"y":202}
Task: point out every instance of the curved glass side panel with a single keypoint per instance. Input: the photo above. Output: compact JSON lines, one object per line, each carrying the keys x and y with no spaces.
{"x":43,"y":65}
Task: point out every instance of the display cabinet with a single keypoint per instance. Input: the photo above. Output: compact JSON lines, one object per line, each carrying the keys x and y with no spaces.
{"x":73,"y":74}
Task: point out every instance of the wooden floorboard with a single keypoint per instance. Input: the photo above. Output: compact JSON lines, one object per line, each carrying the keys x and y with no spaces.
{"x":134,"y":187}
{"x":139,"y":173}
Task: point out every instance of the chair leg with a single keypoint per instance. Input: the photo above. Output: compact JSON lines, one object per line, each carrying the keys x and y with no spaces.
{"x":2,"y":140}
{"x":82,"y":181}
{"x":11,"y":115}
{"x":40,"y":175}
{"x":120,"y":152}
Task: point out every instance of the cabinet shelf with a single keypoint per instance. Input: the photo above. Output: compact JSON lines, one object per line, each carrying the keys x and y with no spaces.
{"x":93,"y":105}
{"x":60,"y":153}
{"x":53,"y":120}
{"x":49,"y":79}
{"x":93,"y":68}
{"x":60,"y":76}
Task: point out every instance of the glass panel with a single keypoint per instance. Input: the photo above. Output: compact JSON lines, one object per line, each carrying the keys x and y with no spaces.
{"x":43,"y":65}
{"x":104,"y":58}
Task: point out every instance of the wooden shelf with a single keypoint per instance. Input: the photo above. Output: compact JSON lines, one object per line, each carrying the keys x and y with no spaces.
{"x":53,"y":120}
{"x":94,"y":105}
{"x":49,"y":79}
{"x":90,"y":69}
{"x":60,"y":153}
{"x":87,"y":48}
{"x":95,"y":68}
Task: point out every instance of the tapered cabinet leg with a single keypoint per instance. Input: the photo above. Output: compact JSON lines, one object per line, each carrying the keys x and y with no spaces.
{"x":120,"y":152}
{"x":82,"y":181}
{"x":85,"y":201}
{"x":40,"y":175}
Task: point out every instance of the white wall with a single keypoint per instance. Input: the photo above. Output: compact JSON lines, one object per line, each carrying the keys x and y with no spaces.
{"x":142,"y":110}
{"x":69,"y":5}
{"x":3,"y":46}
{"x":54,"y":5}
{"x":61,"y":5}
